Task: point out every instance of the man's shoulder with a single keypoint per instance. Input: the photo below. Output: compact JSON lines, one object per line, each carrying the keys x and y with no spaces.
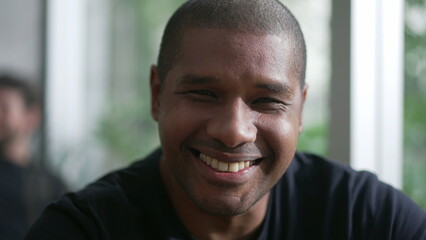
{"x":319,"y":175}
{"x":125,"y":189}
{"x":122,"y":203}
{"x":318,"y":169}
{"x":141,"y":176}
{"x":347,"y":201}
{"x":336,"y":188}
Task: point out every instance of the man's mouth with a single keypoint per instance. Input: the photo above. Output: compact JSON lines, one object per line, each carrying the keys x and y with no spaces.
{"x":231,"y":167}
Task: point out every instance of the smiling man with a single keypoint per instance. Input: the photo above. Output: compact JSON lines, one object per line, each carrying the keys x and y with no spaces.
{"x":228,"y":124}
{"x":228,"y":94}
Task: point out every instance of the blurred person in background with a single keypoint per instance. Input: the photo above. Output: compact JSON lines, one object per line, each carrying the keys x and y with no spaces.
{"x":25,"y":189}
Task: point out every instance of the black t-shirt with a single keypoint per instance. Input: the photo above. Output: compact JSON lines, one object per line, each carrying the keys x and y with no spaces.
{"x":315,"y":199}
{"x":24,"y":193}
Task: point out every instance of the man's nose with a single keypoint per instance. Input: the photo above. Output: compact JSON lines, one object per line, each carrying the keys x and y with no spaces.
{"x":233,"y":125}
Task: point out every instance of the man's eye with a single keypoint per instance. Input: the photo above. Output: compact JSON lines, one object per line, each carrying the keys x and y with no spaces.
{"x":266,"y":100}
{"x":269,"y":104}
{"x":201,"y":93}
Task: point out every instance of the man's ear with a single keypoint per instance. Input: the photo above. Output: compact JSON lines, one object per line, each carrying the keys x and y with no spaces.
{"x":155,"y":92}
{"x":304,"y":94}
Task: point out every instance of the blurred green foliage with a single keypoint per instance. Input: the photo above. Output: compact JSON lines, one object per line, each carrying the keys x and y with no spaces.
{"x":313,"y":139}
{"x":414,"y":181}
{"x":415,"y":101}
{"x":127,"y":129}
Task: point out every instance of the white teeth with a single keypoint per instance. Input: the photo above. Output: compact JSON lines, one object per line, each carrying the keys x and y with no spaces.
{"x":246,"y":164}
{"x":215,"y":163}
{"x":241,"y":165}
{"x":233,"y":167}
{"x":224,"y":166}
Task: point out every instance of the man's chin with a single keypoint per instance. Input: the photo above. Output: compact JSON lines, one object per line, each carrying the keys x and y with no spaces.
{"x":223,"y":210}
{"x":226,"y":206}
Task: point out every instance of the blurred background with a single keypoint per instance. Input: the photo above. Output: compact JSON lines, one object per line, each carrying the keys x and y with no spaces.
{"x":92,"y":58}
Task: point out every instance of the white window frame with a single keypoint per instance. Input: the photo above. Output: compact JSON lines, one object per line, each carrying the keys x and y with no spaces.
{"x":377,"y":88}
{"x":374,"y":93}
{"x":77,"y":64}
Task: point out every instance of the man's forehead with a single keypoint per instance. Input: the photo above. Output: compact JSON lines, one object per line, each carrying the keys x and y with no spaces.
{"x":6,"y":90}
{"x":10,"y":94}
{"x":222,"y":49}
{"x":190,"y":33}
{"x":196,"y":43}
{"x":214,"y":39}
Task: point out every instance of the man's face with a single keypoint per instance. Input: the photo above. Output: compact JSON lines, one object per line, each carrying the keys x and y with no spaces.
{"x":14,"y":116}
{"x":229,"y":114}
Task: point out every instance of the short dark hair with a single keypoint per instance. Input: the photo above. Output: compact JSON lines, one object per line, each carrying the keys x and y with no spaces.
{"x":28,"y":92}
{"x":241,"y":16}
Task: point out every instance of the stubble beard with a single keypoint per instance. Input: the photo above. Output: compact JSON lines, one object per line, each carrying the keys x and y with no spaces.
{"x":224,"y":204}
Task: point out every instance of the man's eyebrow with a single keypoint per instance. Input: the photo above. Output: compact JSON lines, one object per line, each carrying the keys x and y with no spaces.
{"x":280,"y":88}
{"x":276,"y":87}
{"x":193,"y":79}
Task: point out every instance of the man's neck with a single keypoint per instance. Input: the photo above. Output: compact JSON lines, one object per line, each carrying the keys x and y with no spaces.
{"x":206,"y":226}
{"x":203,"y":225}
